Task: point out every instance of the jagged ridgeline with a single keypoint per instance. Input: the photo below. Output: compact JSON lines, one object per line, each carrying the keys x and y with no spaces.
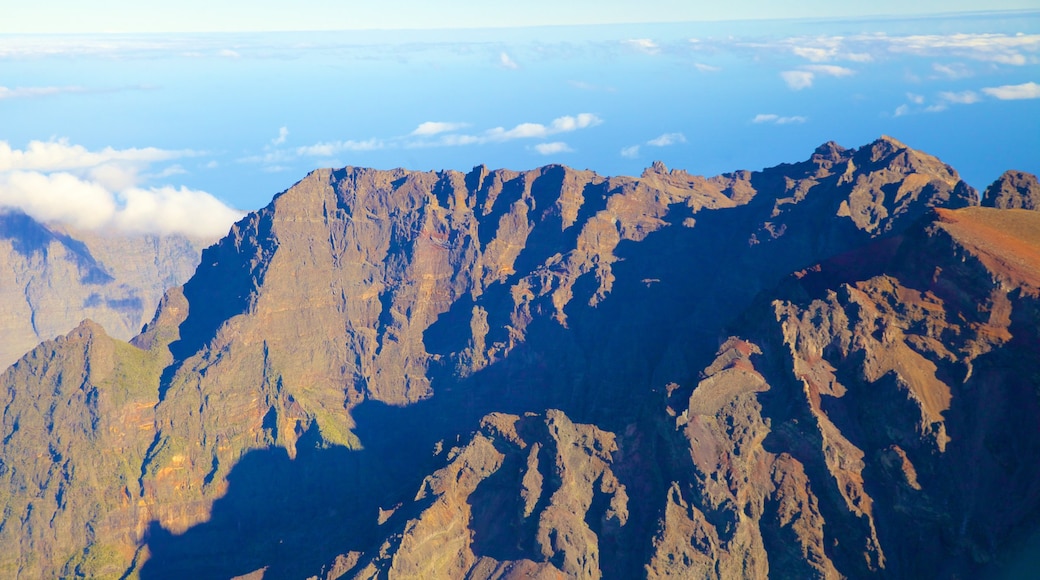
{"x":822,"y":369}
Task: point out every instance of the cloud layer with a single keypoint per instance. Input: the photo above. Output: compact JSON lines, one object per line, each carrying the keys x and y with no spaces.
{"x":54,"y":181}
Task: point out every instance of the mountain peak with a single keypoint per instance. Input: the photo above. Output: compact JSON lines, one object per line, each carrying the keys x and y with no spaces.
{"x":829,"y":151}
{"x":1013,"y":190}
{"x":891,"y":141}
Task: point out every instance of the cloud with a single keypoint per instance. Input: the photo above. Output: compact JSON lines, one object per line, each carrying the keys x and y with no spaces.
{"x":507,"y":62}
{"x":283,"y":133}
{"x":426,"y":134}
{"x":777,"y":119}
{"x":551,"y":148}
{"x":918,"y":102}
{"x":644,"y":45}
{"x":667,"y":139}
{"x":32,"y":92}
{"x":805,"y":75}
{"x":1028,"y":90}
{"x":952,"y":71}
{"x":961,"y":98}
{"x":60,"y":155}
{"x":814,"y":53}
{"x":1008,"y":49}
{"x":563,"y":124}
{"x":333,"y":148}
{"x":705,"y":68}
{"x":829,"y":69}
{"x":797,"y":79}
{"x":102,"y":190}
{"x":434,"y":127}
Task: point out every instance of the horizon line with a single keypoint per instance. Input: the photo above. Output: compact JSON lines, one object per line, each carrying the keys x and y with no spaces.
{"x":819,"y":19}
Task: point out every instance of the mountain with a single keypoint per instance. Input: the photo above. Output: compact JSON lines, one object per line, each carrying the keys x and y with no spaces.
{"x":824,"y":368}
{"x":1013,"y":190}
{"x":52,"y":276}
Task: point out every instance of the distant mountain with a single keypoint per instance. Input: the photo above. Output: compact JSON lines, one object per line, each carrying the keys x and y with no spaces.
{"x":53,"y":276}
{"x":1013,"y":190}
{"x":820,"y":369}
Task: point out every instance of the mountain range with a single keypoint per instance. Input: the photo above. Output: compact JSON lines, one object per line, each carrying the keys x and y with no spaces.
{"x":821,"y":369}
{"x":53,"y":276}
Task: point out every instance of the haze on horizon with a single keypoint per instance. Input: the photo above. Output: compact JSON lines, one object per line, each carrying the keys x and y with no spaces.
{"x":135,"y":16}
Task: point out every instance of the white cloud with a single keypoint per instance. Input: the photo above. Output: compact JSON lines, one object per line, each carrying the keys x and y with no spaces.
{"x":1028,"y":90}
{"x":915,"y":98}
{"x":998,"y":48}
{"x":30,"y":92}
{"x":667,"y":139}
{"x":551,"y":148}
{"x":961,"y":98}
{"x":705,"y":68}
{"x":952,"y":71}
{"x":507,"y":61}
{"x":902,"y":110}
{"x":434,"y":127}
{"x":563,"y":124}
{"x":643,"y":45}
{"x":283,"y":134}
{"x":805,"y":75}
{"x":815,"y":53}
{"x":797,"y":79}
{"x":777,"y":119}
{"x":60,"y":155}
{"x":333,"y":148}
{"x":101,"y":190}
{"x":829,"y":69}
{"x":630,"y":152}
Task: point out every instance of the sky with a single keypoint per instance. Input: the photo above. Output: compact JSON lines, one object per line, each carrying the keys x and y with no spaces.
{"x":151,"y":130}
{"x":135,"y":16}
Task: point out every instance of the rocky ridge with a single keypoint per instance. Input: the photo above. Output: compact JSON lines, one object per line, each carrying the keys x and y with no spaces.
{"x":505,"y":374}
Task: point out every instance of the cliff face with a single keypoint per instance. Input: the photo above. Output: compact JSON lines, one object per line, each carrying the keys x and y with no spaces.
{"x":502,"y":374}
{"x":52,"y":277}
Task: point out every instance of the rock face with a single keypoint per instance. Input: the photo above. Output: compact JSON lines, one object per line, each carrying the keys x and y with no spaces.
{"x":52,"y":277}
{"x":504,"y":375}
{"x":1013,"y":190}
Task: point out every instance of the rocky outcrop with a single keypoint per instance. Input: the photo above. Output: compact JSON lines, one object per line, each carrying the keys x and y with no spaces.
{"x":518,"y":374}
{"x":886,"y":405}
{"x":1013,"y":190}
{"x":52,"y":277}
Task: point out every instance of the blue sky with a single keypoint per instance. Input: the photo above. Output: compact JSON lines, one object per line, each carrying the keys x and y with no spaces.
{"x":154,"y":131}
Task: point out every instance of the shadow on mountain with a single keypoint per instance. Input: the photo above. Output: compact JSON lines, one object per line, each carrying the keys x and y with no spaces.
{"x":29,"y":237}
{"x":661,"y":322}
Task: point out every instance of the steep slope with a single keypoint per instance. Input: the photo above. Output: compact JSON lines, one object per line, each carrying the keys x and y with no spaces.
{"x":346,"y":341}
{"x":882,"y":410}
{"x":52,"y":277}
